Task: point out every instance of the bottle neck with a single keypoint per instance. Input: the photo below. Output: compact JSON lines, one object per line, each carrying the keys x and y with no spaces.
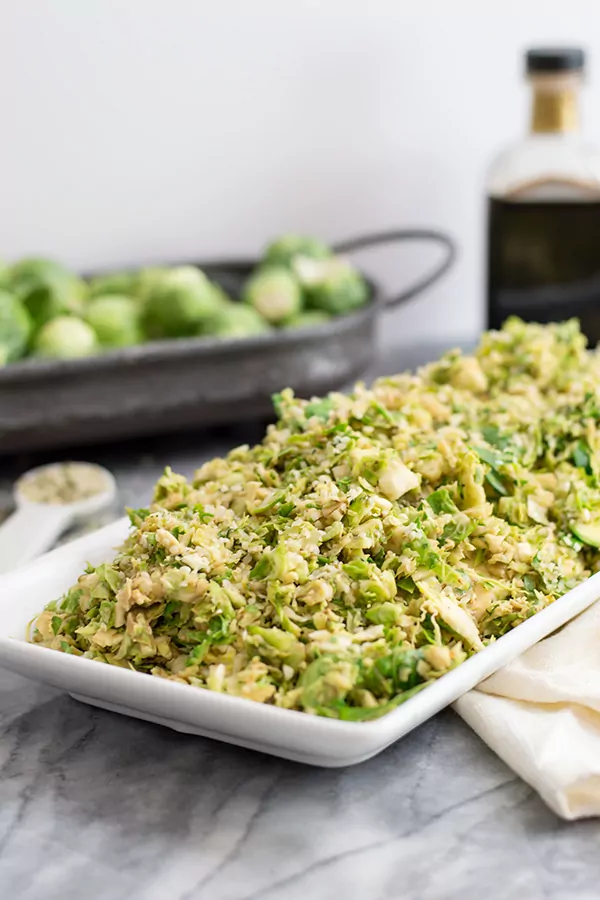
{"x":555,"y":107}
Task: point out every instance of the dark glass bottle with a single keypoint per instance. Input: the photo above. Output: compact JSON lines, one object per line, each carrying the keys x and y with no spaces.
{"x":544,"y":208}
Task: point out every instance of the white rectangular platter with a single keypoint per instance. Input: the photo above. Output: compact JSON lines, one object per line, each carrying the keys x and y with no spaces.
{"x":293,"y":735}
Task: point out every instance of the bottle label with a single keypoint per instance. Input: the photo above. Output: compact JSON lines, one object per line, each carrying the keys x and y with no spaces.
{"x":554,"y":111}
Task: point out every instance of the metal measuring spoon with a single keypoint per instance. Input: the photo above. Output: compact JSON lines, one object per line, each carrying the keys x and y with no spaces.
{"x":34,"y":526}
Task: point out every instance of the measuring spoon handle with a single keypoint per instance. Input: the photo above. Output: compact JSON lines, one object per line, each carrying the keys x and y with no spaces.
{"x":29,"y":531}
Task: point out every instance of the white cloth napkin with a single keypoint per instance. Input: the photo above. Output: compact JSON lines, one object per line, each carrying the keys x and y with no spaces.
{"x":541,"y":715}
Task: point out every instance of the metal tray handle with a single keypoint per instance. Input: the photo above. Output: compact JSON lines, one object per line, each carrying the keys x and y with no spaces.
{"x":413,"y":234}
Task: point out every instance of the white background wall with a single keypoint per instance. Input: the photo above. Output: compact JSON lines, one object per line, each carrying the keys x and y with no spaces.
{"x":135,"y":130}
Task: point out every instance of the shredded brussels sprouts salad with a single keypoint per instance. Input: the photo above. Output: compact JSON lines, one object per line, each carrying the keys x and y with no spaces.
{"x":370,"y":543}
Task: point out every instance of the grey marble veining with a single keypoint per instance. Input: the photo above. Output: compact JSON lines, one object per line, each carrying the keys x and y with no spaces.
{"x":98,"y":806}
{"x":101,"y":806}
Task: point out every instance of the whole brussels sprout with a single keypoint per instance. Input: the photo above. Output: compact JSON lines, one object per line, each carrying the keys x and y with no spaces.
{"x":114,"y":283}
{"x":46,"y":288}
{"x":285,"y":249}
{"x":310,"y":318}
{"x":15,"y":326}
{"x":274,"y":293}
{"x":148,"y":279}
{"x":332,"y":285}
{"x":65,"y":338}
{"x":178,"y":301}
{"x":236,"y":320}
{"x":4,"y":273}
{"x":220,"y":294}
{"x":115,"y":319}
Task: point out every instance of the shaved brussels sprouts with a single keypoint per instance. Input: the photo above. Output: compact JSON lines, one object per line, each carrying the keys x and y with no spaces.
{"x":65,"y":338}
{"x":46,"y":288}
{"x":115,"y":319}
{"x":15,"y":326}
{"x":178,"y":302}
{"x":285,"y":249}
{"x":370,"y":543}
{"x":274,"y":293}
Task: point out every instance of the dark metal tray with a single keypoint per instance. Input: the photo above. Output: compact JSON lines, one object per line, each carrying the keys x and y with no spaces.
{"x":186,"y":383}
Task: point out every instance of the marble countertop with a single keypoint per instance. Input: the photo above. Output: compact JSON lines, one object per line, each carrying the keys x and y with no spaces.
{"x":96,"y":805}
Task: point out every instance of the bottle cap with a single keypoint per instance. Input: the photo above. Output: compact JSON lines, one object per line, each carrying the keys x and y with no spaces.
{"x":554,"y":59}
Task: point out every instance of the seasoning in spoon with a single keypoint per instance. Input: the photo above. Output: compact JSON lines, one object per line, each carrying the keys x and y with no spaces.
{"x":62,"y":483}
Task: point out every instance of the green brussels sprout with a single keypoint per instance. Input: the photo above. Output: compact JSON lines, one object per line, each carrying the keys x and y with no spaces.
{"x":46,"y":288}
{"x":221,"y":295}
{"x":65,"y":338}
{"x":115,"y":319}
{"x":310,"y":318}
{"x":178,"y":301}
{"x":236,"y":320}
{"x":4,"y":273}
{"x":332,"y":285}
{"x":274,"y":293}
{"x":148,"y":279}
{"x":15,"y":326}
{"x":114,"y":283}
{"x":285,"y":249}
